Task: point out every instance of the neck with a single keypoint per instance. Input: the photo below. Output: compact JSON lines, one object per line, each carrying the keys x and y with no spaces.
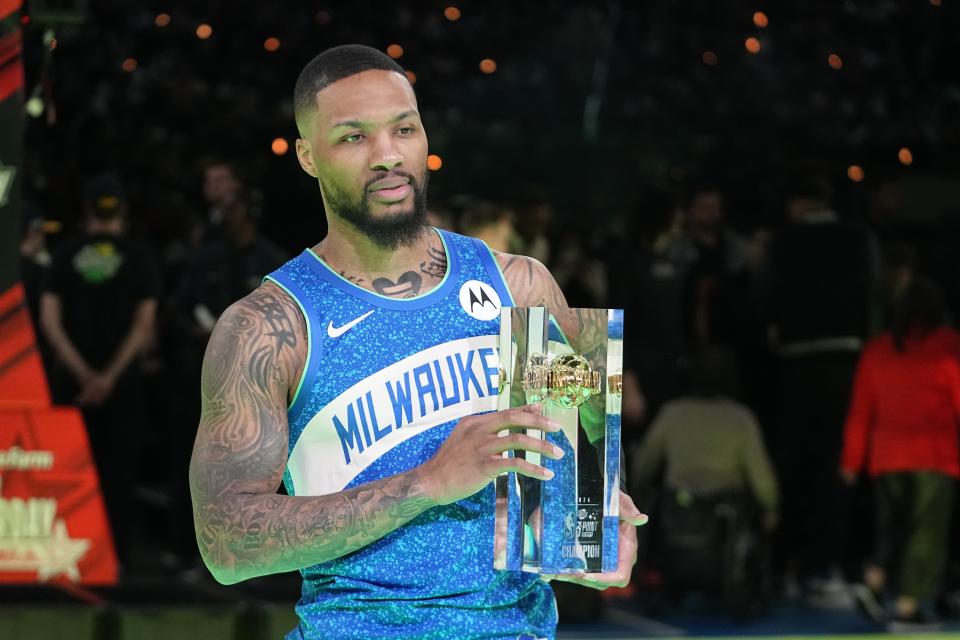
{"x":403,"y":272}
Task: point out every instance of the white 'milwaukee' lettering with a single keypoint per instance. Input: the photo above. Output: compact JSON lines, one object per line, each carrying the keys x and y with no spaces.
{"x":442,"y":383}
{"x":17,"y":458}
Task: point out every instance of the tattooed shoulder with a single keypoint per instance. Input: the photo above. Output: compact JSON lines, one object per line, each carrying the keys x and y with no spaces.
{"x":265,"y":334}
{"x":530,"y":283}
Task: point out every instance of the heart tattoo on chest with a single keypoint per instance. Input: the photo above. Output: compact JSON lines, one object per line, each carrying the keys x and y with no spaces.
{"x":407,"y":285}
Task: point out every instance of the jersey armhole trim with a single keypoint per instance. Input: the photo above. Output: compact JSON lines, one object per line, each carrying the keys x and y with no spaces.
{"x":306,"y":321}
{"x":486,"y":256}
{"x":563,"y":335}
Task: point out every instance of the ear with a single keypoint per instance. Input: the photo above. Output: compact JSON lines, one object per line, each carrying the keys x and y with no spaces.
{"x":305,"y":157}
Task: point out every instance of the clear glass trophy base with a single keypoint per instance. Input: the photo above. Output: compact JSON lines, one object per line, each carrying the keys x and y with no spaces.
{"x":571,"y":362}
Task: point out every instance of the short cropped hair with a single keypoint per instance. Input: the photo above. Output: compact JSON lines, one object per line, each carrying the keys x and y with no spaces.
{"x":330,"y":66}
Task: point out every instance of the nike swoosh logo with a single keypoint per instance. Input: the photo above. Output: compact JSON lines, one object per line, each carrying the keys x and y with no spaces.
{"x":336,"y":332}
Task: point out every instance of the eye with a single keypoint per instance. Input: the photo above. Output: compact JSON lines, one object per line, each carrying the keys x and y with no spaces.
{"x":406,"y":130}
{"x":353,"y":137}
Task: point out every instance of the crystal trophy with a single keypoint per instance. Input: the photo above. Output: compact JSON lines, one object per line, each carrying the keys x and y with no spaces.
{"x":571,"y":362}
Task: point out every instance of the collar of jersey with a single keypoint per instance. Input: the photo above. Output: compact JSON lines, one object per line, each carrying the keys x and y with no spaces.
{"x":323,"y":270}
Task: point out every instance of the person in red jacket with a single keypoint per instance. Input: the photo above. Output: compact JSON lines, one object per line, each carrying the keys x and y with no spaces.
{"x":902,"y":428}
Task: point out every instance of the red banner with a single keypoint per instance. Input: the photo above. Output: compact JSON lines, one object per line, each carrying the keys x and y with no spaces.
{"x":53,"y":526}
{"x":23,"y":384}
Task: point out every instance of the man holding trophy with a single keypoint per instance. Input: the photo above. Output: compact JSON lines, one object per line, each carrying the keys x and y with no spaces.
{"x":366,"y":374}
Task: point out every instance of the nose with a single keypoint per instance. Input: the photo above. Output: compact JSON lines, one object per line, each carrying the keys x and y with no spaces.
{"x":385,"y":155}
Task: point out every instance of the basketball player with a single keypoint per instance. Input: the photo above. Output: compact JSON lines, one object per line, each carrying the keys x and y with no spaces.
{"x":357,"y":375}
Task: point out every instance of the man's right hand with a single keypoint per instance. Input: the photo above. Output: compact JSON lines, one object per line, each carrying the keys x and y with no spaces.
{"x":471,"y":457}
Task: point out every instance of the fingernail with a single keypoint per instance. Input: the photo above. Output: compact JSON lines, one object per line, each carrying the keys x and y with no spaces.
{"x":547,"y":474}
{"x":644,"y":519}
{"x":555,"y":425}
{"x":557,"y":452}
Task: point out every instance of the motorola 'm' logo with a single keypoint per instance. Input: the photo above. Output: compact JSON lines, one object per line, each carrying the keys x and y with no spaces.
{"x":479,"y":300}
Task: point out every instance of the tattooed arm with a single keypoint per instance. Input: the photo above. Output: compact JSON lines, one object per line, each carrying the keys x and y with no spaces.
{"x":244,"y":529}
{"x":532,"y":285}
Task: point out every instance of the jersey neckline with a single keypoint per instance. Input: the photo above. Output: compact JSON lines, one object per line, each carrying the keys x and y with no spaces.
{"x":327,"y":273}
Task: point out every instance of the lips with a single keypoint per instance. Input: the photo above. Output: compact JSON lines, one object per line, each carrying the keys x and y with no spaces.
{"x":388,"y":184}
{"x":390,"y":189}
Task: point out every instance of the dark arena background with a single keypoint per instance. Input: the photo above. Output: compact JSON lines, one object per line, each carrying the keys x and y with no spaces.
{"x":770,"y":190}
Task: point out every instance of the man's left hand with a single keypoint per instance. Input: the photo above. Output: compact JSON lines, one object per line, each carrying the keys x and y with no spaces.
{"x":630,"y":519}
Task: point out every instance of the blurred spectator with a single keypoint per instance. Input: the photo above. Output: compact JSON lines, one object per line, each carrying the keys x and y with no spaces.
{"x":580,"y":272}
{"x":221,"y":186}
{"x":732,"y":314}
{"x":226,"y":268}
{"x":533,"y":222}
{"x":712,"y":251}
{"x":708,"y":443}
{"x":899,"y":269}
{"x":439,"y":216}
{"x":648,"y":285}
{"x":34,"y":260}
{"x":489,"y":222}
{"x":98,"y":311}
{"x":824,"y":273}
{"x":720,"y":493}
{"x":902,"y":429}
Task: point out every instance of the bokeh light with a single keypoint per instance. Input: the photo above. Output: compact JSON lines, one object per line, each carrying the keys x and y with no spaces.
{"x":434,"y":162}
{"x":271,"y":44}
{"x":129,"y":65}
{"x":395,"y":51}
{"x":855,"y":173}
{"x":752,"y":44}
{"x":488,"y":65}
{"x":709,"y":58}
{"x":452,"y":14}
{"x":204,"y":31}
{"x":835,"y":61}
{"x":905,"y":156}
{"x":760,"y":19}
{"x":162,"y":20}
{"x":411,"y":76}
{"x":279,"y":146}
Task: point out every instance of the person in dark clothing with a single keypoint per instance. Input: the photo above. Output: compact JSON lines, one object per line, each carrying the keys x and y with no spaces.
{"x":824,"y":273}
{"x":98,"y":311}
{"x":717,"y":253}
{"x":646,"y":280}
{"x":902,"y":429}
{"x":226,"y":267}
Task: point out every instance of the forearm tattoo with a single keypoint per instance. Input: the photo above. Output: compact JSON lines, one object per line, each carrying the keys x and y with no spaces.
{"x":243,"y":527}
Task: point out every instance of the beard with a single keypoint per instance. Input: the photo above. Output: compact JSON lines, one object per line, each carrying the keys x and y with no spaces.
{"x":390,"y":231}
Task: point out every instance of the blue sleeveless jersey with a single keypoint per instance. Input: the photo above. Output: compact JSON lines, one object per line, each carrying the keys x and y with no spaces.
{"x":384,"y":384}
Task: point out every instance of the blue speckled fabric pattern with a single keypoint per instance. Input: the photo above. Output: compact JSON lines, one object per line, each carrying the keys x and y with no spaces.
{"x":379,"y":398}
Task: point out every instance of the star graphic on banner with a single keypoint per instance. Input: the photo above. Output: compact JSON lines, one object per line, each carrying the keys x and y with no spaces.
{"x":68,"y":540}
{"x":60,"y":554}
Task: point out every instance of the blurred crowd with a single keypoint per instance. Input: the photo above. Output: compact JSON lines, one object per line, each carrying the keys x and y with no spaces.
{"x":792,"y":383}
